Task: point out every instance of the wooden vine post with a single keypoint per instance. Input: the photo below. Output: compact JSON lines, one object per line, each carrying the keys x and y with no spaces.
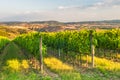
{"x":117,"y":44}
{"x":41,"y":56}
{"x":92,"y":48}
{"x":59,"y":52}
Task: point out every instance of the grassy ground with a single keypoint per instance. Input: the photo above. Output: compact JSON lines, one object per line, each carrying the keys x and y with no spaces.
{"x":104,"y":69}
{"x":15,"y":66}
{"x":65,"y":71}
{"x":96,"y":74}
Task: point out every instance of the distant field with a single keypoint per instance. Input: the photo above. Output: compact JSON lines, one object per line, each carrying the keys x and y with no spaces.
{"x":12,"y":32}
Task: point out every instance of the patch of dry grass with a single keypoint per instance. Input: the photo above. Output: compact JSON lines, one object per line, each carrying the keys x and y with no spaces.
{"x":56,"y":64}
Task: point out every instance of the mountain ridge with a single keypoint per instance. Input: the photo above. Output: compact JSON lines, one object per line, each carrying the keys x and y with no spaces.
{"x":59,"y":22}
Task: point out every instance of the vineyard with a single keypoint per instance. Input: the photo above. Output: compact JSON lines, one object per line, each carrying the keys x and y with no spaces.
{"x":71,"y":41}
{"x":74,"y":48}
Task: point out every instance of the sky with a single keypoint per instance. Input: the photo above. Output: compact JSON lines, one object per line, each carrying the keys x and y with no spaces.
{"x":59,"y":10}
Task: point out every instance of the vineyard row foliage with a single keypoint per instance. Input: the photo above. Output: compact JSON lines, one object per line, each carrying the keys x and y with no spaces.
{"x":76,"y":41}
{"x":3,"y":41}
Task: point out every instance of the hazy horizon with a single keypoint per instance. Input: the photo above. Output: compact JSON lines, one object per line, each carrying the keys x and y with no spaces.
{"x":62,"y":21}
{"x":59,"y":10}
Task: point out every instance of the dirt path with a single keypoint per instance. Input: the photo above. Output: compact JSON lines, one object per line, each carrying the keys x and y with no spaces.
{"x":53,"y":75}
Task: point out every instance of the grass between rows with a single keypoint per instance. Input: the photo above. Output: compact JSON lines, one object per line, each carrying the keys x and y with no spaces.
{"x":15,"y":66}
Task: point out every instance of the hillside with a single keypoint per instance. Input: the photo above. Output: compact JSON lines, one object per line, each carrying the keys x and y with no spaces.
{"x":54,"y":26}
{"x":12,"y":32}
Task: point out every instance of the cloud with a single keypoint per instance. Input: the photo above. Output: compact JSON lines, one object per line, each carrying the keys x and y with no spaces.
{"x":71,"y":7}
{"x":62,"y":7}
{"x":66,"y":15}
{"x":107,"y":3}
{"x":101,"y":4}
{"x":59,"y":15}
{"x":104,"y":9}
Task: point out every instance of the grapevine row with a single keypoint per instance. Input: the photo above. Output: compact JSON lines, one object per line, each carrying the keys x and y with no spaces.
{"x":30,"y":42}
{"x":76,"y":41}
